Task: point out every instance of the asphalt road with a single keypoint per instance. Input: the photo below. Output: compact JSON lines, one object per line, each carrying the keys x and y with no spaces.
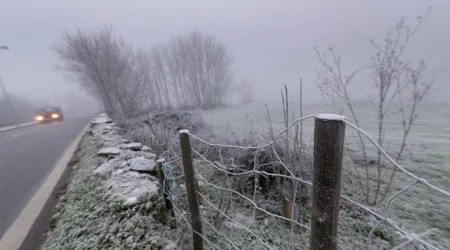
{"x":27,"y":155}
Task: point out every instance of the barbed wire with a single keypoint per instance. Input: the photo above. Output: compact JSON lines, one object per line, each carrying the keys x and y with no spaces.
{"x":219,"y":166}
{"x":254,"y":204}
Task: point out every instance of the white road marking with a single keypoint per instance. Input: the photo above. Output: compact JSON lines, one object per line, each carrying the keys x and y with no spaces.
{"x":3,"y":129}
{"x":17,"y":232}
{"x":14,"y":136}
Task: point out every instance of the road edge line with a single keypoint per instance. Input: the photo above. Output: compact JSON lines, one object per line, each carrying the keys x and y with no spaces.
{"x":18,"y":231}
{"x":23,"y":125}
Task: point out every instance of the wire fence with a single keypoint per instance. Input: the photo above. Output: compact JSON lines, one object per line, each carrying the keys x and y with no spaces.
{"x":259,"y":197}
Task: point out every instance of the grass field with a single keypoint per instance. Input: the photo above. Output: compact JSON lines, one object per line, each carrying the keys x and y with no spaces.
{"x":427,"y":155}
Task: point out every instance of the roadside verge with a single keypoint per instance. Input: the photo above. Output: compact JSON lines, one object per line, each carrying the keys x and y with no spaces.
{"x":107,"y":198}
{"x":36,"y":206}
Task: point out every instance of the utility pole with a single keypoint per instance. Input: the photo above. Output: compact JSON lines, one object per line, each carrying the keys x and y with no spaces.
{"x":6,"y":95}
{"x":8,"y":100}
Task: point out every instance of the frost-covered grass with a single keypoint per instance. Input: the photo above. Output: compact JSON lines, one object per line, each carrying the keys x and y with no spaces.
{"x":90,"y":216}
{"x":415,"y":211}
{"x":250,"y":228}
{"x":426,"y":156}
{"x":272,"y":229}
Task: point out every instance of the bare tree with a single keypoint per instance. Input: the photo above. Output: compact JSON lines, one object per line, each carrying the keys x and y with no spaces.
{"x":200,"y":69}
{"x":395,"y":81}
{"x":105,"y":66}
{"x":245,"y":91}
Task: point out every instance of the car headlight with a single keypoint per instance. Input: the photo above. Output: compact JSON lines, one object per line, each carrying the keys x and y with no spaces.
{"x":39,"y":118}
{"x":54,"y":116}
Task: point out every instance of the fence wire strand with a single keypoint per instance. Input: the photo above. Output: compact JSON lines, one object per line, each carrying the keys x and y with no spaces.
{"x":176,"y":192}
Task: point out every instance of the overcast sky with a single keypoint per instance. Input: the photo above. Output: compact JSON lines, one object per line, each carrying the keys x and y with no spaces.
{"x":271,"y":41}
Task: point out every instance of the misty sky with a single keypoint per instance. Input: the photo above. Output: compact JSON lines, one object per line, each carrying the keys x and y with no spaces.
{"x":271,"y":41}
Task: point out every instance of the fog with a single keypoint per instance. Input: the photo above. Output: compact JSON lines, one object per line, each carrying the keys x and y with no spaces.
{"x":270,"y":42}
{"x":168,"y":70}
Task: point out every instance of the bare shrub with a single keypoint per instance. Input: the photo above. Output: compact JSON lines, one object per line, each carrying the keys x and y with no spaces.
{"x":245,"y":91}
{"x":160,"y":129}
{"x":396,"y":81}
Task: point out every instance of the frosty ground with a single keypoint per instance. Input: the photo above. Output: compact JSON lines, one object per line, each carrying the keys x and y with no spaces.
{"x":106,"y":205}
{"x":418,"y":210}
{"x":110,"y":203}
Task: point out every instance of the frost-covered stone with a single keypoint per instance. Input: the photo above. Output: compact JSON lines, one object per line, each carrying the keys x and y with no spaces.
{"x":131,"y":188}
{"x":100,"y":210}
{"x":149,"y":155}
{"x":108,"y":151}
{"x":142,"y":164}
{"x":101,"y":118}
{"x":109,"y":166}
{"x":131,"y":146}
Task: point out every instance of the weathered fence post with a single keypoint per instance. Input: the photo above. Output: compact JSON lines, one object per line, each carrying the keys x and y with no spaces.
{"x":329,"y":133}
{"x":165,"y":190}
{"x":159,"y":166}
{"x":191,"y":189}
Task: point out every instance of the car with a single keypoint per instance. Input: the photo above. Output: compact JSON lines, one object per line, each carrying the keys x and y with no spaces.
{"x":49,"y":114}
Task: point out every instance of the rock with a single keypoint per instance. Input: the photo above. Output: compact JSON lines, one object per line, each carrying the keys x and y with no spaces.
{"x":142,"y":164}
{"x":108,"y":167}
{"x":130,"y":187}
{"x":146,"y":148}
{"x":131,"y":146}
{"x":149,"y":155}
{"x":108,"y":151}
{"x":102,"y":118}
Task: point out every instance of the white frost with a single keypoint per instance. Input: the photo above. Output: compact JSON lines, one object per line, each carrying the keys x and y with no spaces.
{"x":131,"y":146}
{"x":128,"y":186}
{"x":171,"y":246}
{"x":142,"y":164}
{"x":240,"y":219}
{"x":108,"y":151}
{"x":329,"y":117}
{"x":149,"y":155}
{"x":109,"y":166}
{"x":183,"y":131}
{"x":102,"y":118}
{"x":106,"y":167}
{"x":131,"y":201}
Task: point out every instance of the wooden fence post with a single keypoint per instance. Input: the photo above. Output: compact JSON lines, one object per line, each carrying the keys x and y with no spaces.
{"x":159,"y":166}
{"x":329,"y":134}
{"x":191,"y":189}
{"x":165,"y":190}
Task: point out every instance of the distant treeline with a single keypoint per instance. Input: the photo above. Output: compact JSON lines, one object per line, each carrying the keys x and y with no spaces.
{"x":193,"y":70}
